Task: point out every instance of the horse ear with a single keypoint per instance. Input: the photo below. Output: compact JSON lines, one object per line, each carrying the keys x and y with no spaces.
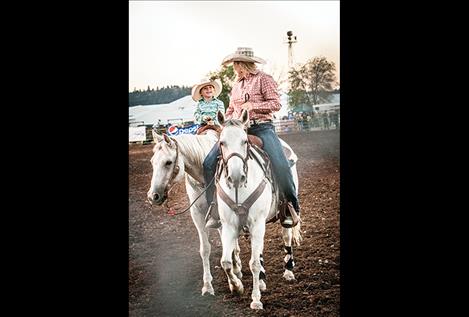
{"x":221,"y":117}
{"x":166,"y":138}
{"x":245,"y":116}
{"x":156,"y":137}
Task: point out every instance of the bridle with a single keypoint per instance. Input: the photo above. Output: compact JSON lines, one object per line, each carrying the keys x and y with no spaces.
{"x":244,"y":159}
{"x":168,"y":186}
{"x":240,"y":209}
{"x":175,"y":170}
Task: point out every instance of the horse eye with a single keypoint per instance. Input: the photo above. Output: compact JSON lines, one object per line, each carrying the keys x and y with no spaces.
{"x":168,"y":163}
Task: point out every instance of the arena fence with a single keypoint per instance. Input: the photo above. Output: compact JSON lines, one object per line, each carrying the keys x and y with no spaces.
{"x":281,"y":127}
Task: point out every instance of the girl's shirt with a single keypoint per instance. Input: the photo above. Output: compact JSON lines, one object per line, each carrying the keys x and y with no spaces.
{"x":209,"y":108}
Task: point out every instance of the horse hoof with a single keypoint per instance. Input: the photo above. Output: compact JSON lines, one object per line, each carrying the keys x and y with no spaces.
{"x":208,"y":289}
{"x":237,"y":291}
{"x":262,"y":286}
{"x":288,"y":275}
{"x":257,"y":305}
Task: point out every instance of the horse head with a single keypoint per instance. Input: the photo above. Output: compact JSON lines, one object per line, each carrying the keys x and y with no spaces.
{"x":234,"y":148}
{"x":168,"y":168}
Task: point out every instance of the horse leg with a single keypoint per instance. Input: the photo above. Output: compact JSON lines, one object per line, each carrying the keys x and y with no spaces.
{"x":257,"y":245}
{"x":289,"y":263}
{"x":228,"y":239}
{"x":205,"y":249}
{"x":237,"y":260}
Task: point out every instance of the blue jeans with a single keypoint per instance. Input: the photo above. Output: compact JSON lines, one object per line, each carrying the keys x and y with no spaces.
{"x":280,"y":164}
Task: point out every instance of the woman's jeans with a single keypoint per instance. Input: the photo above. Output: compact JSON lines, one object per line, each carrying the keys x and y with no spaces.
{"x":280,"y":164}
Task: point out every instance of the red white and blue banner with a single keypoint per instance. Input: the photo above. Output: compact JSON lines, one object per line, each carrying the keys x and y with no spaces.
{"x":175,"y":130}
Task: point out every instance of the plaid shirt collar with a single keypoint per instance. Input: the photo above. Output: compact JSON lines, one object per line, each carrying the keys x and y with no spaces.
{"x":248,"y":75}
{"x":213,"y":99}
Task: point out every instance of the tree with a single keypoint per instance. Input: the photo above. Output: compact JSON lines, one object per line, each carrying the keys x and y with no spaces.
{"x":279,"y":76}
{"x":158,"y":96}
{"x":312,"y":82}
{"x":227,"y":77}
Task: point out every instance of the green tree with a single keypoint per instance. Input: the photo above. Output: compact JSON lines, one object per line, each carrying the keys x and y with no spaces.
{"x":312,"y":82}
{"x":227,"y":77}
{"x":296,"y":98}
{"x":158,"y":96}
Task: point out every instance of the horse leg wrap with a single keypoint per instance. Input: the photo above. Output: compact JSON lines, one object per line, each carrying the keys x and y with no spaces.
{"x":262,"y":272}
{"x":289,"y":263}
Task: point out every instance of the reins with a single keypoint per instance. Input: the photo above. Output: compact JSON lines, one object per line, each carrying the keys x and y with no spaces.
{"x":172,"y":213}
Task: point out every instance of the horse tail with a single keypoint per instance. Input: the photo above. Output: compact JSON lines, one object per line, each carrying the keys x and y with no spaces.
{"x":297,"y":238}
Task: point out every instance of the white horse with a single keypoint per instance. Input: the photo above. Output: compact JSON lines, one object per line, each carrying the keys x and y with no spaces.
{"x":172,"y":159}
{"x":246,"y":200}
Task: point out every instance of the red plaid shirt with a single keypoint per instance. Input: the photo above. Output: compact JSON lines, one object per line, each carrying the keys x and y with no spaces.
{"x":264,"y":97}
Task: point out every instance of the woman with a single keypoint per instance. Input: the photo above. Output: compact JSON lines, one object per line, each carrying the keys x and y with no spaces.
{"x":263,"y":101}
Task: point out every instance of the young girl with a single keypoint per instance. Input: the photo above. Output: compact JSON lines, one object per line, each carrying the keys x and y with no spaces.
{"x":205,"y":94}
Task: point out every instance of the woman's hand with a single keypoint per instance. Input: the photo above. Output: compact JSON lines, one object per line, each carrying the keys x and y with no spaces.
{"x":247,"y":106}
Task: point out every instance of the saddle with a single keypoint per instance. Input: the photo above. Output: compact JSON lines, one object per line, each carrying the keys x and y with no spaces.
{"x":257,"y":141}
{"x":204,"y":128}
{"x":284,"y":207}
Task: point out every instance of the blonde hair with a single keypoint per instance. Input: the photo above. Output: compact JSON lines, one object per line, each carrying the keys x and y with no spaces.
{"x":250,"y":67}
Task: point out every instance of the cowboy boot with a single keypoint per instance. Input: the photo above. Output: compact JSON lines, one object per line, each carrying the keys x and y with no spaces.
{"x":212,"y":218}
{"x":291,"y":216}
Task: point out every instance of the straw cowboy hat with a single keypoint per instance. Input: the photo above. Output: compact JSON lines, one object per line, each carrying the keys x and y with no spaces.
{"x":242,"y":54}
{"x":205,"y":82}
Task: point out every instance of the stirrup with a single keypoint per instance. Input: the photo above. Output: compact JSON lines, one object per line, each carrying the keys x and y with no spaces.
{"x":209,"y":211}
{"x":213,"y":223}
{"x":290,"y":216}
{"x":288,"y":222}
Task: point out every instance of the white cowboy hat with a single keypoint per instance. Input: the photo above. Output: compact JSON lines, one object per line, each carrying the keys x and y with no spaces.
{"x":205,"y":82}
{"x":242,"y":54}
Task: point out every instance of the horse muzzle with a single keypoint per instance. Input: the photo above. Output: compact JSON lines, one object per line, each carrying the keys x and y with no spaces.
{"x":156,"y":199}
{"x":236,"y":181}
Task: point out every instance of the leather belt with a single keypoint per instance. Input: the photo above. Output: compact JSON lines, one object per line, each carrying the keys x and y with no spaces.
{"x":254,"y":121}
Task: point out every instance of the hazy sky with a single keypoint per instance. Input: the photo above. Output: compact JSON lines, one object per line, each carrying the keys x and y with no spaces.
{"x":178,"y":43}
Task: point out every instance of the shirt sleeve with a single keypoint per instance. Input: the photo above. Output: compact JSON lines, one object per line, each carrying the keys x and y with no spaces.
{"x":198,"y":113}
{"x":270,"y":94}
{"x":221,"y":106}
{"x":230,"y":109}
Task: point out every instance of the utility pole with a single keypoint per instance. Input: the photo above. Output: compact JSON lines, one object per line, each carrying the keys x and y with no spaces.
{"x":291,"y":40}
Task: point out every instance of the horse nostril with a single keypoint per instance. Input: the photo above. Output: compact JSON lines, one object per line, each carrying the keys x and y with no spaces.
{"x":156,"y":197}
{"x":243,"y":178}
{"x":229,"y":179}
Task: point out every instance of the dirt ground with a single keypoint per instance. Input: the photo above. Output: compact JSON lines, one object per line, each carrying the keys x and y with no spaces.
{"x":165,"y":268}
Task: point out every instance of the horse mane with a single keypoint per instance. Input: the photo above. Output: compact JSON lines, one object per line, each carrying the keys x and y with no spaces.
{"x":233,"y":123}
{"x":195,"y":146}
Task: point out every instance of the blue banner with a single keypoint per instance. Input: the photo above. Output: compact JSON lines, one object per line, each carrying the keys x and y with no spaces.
{"x":175,"y":130}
